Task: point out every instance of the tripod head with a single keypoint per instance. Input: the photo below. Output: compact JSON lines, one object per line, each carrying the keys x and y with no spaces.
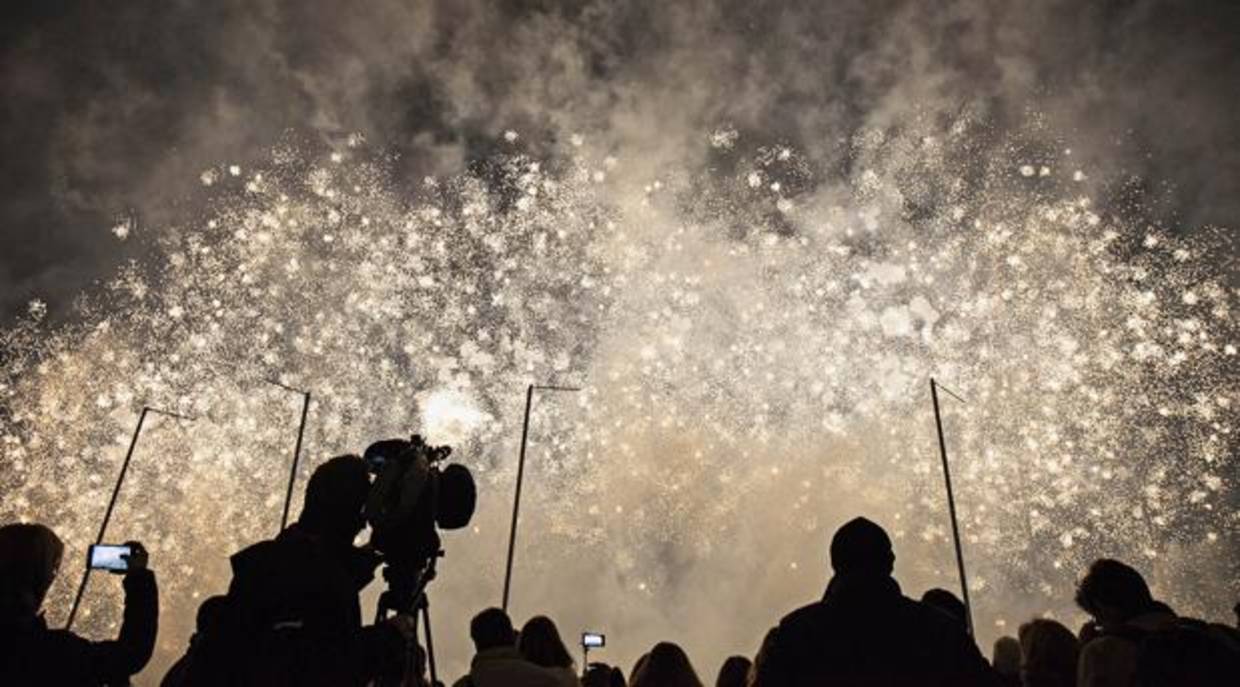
{"x":406,"y":587}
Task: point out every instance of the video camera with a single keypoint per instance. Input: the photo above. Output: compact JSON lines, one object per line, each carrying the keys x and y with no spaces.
{"x":412,"y":497}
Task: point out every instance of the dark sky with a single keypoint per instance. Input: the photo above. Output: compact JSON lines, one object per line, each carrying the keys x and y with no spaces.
{"x":111,"y":110}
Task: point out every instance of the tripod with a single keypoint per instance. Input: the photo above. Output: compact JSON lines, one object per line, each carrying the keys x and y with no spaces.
{"x":407,"y":594}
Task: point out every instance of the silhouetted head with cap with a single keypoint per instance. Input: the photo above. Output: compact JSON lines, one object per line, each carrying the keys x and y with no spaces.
{"x":862,"y":548}
{"x":335,"y":497}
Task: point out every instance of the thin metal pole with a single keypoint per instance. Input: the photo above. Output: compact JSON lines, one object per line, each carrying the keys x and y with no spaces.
{"x":292,"y":475}
{"x":430,"y":642}
{"x":516,"y":499}
{"x":951,"y":506}
{"x":116,"y":491}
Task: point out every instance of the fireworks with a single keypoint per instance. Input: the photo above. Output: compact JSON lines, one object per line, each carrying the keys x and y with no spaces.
{"x":754,"y":347}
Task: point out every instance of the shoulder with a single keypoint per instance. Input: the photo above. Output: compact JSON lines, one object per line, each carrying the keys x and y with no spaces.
{"x":804,"y":616}
{"x":565,"y":676}
{"x":1107,"y":647}
{"x":806,"y":624}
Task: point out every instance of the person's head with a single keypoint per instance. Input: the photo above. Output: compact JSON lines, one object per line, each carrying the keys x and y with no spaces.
{"x":1113,"y":592}
{"x":734,"y":673}
{"x":335,"y":497}
{"x":1006,"y":658}
{"x":602,"y":675}
{"x":541,"y":645}
{"x":1048,"y":654}
{"x":492,"y":629}
{"x":213,"y":614}
{"x":861,"y":547}
{"x":948,"y":604}
{"x":30,"y":557}
{"x":667,"y":665}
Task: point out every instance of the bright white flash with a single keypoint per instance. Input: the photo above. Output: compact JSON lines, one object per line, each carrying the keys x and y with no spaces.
{"x":450,"y":416}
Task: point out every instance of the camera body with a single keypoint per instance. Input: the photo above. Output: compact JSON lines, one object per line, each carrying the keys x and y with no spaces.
{"x":413,"y":496}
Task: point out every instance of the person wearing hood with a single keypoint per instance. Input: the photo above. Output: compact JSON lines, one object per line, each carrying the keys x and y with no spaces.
{"x":33,"y":654}
{"x":864,"y":631}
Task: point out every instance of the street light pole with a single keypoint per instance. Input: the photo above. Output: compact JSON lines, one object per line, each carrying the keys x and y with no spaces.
{"x":951,"y":501}
{"x":116,"y":491}
{"x":516,"y":499}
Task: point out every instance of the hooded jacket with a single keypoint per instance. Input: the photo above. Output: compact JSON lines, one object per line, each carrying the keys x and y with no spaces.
{"x":33,"y":654}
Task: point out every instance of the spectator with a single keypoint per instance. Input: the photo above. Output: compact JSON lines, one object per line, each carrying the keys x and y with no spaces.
{"x":540,"y":644}
{"x":603,"y":675}
{"x":1193,"y":654}
{"x":1048,"y":654}
{"x":637,"y":666}
{"x":195,"y":667}
{"x":667,"y":665}
{"x":1006,"y":661}
{"x":32,"y":654}
{"x":734,"y":673}
{"x":945,"y":602}
{"x":1118,"y":599}
{"x":497,"y":663}
{"x":297,"y":614}
{"x":864,"y":631}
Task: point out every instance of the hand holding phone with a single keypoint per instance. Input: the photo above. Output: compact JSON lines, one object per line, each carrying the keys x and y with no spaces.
{"x":138,"y":557}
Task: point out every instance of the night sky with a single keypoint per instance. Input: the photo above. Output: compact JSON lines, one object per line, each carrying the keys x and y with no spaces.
{"x":111,"y":110}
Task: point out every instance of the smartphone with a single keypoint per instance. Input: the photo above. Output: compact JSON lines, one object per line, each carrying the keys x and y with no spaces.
{"x":108,"y":557}
{"x":593,"y":640}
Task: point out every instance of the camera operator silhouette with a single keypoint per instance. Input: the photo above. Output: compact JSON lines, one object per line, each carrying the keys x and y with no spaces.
{"x":33,"y":654}
{"x":293,"y":615}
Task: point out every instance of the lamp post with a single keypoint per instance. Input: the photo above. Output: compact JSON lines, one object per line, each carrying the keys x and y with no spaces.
{"x":516,"y":499}
{"x":116,"y":491}
{"x":951,"y":501}
{"x":301,"y":430}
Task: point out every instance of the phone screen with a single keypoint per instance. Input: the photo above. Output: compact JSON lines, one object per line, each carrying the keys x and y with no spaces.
{"x":593,"y":640}
{"x":108,"y":557}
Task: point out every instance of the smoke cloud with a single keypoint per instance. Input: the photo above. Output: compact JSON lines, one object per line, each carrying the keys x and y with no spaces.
{"x":110,"y":113}
{"x":750,"y":230}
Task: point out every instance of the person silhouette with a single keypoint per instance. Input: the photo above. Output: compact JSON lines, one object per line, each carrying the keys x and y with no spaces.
{"x":33,"y":654}
{"x":539,"y":643}
{"x":1006,"y":660}
{"x":1048,"y":654}
{"x":294,"y":608}
{"x":864,"y":631}
{"x":667,"y":665}
{"x":946,"y":602}
{"x":734,"y":672}
{"x":497,"y":662}
{"x":1123,"y":610}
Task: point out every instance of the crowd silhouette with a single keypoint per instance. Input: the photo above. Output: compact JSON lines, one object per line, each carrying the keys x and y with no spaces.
{"x":292,"y":616}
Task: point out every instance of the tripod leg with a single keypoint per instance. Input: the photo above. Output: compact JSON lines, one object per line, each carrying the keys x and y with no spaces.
{"x":430,"y":643}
